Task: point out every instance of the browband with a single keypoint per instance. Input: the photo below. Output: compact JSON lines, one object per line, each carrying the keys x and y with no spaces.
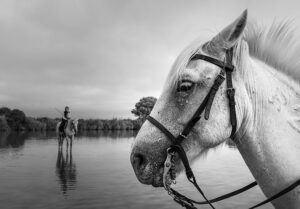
{"x":226,"y":70}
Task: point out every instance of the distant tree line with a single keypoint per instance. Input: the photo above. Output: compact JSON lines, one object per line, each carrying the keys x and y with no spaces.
{"x":16,"y":120}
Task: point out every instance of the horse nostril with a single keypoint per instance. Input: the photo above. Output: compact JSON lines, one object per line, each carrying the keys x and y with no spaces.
{"x":138,"y":161}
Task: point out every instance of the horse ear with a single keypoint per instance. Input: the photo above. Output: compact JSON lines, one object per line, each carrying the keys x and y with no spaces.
{"x":229,"y":36}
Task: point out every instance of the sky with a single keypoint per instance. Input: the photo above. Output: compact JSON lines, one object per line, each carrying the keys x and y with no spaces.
{"x":100,"y":57}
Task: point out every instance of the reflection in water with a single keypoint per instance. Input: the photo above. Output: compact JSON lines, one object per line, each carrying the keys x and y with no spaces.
{"x":109,"y":133}
{"x":66,"y":171}
{"x":17,"y":139}
{"x":39,"y":176}
{"x":12,"y":139}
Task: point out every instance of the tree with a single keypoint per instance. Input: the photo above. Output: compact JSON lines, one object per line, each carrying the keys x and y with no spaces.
{"x":3,"y":123}
{"x":144,"y":107}
{"x":16,"y":119}
{"x":4,"y":114}
{"x":5,"y":111}
{"x":33,"y":124}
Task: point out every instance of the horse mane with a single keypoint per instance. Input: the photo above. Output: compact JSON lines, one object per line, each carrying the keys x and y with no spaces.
{"x":275,"y":45}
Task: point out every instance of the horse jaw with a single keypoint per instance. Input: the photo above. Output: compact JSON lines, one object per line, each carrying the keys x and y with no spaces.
{"x":149,"y":149}
{"x":175,"y":108}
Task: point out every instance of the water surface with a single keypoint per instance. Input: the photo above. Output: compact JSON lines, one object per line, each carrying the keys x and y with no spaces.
{"x":97,"y":174}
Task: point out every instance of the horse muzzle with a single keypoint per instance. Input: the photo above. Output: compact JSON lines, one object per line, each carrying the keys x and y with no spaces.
{"x":147,"y":170}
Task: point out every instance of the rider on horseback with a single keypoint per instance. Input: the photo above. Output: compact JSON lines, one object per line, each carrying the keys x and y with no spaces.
{"x":64,"y":120}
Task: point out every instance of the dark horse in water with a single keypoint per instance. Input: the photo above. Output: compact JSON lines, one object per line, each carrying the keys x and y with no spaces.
{"x":68,"y":134}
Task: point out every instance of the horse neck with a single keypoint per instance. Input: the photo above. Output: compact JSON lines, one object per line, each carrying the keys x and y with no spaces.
{"x":69,"y":125}
{"x":270,"y":143}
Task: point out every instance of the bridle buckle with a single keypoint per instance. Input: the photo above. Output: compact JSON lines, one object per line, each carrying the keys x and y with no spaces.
{"x":230,"y":92}
{"x":183,"y":136}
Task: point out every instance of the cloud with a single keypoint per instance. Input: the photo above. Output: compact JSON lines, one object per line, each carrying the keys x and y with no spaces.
{"x":98,"y":57}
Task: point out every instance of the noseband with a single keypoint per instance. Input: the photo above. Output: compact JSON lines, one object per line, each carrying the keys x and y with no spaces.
{"x":226,"y":73}
{"x":226,"y":70}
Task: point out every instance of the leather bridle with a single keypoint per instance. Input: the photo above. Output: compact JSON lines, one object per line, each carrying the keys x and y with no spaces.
{"x":226,"y":73}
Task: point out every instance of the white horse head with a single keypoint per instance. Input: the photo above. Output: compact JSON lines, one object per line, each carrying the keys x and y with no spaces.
{"x":261,"y":97}
{"x":188,"y":83}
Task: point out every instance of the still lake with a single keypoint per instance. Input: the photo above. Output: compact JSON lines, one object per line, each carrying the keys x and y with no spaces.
{"x":98,"y":174}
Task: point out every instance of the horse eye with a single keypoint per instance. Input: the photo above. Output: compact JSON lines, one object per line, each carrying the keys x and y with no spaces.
{"x":184,"y":86}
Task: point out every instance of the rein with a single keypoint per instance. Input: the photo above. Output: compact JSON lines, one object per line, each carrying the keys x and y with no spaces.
{"x":176,"y":148}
